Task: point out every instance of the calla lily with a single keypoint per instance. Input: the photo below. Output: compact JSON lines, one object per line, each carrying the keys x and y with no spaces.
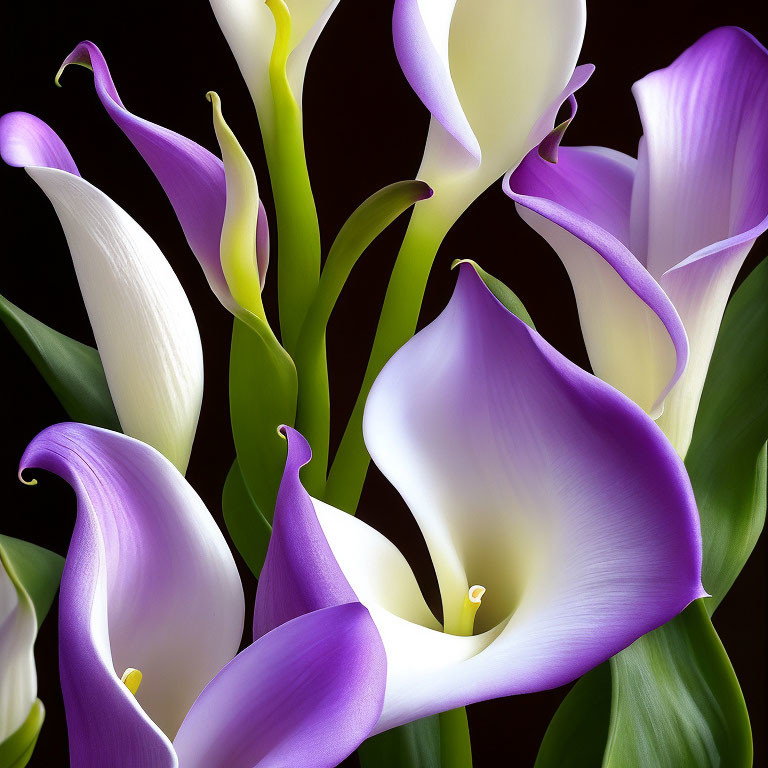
{"x":152,"y":608}
{"x":192,"y":177}
{"x":653,"y":245}
{"x":249,"y":27}
{"x":561,"y":523}
{"x":493,"y":80}
{"x":142,"y":321}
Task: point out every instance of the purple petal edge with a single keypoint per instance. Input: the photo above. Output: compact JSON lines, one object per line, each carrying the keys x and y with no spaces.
{"x":426,"y":74}
{"x":191,"y":176}
{"x":26,"y":141}
{"x":300,"y":573}
{"x":305,"y":694}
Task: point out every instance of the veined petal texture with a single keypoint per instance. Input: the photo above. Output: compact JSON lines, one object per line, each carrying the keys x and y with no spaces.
{"x":141,"y":318}
{"x":528,"y":477}
{"x":306,"y":694}
{"x":149,"y":584}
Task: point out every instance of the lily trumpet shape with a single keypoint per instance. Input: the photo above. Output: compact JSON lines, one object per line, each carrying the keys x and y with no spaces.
{"x":249,"y":28}
{"x":493,"y":81}
{"x":142,"y":321}
{"x":191,"y":176}
{"x":561,"y":523}
{"x":151,"y":611}
{"x":653,"y":245}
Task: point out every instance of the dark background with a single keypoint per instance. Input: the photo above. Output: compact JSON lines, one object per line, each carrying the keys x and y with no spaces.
{"x":365,"y":129}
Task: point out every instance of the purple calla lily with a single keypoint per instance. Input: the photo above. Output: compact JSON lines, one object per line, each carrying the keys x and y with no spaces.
{"x":191,"y":176}
{"x":553,"y":508}
{"x":151,"y":609}
{"x":653,"y":245}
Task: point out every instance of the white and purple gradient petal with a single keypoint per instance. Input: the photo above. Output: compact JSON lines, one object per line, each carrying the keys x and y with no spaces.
{"x":489,"y":80}
{"x":306,"y":694}
{"x":149,"y":583}
{"x":141,"y":318}
{"x":191,"y":176}
{"x":528,"y":476}
{"x":581,"y":206}
{"x":686,"y":214}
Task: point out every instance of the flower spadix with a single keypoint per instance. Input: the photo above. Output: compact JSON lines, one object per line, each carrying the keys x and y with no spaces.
{"x":141,"y":318}
{"x":493,"y":78}
{"x":653,"y":245}
{"x":151,"y":616}
{"x":560,"y":522}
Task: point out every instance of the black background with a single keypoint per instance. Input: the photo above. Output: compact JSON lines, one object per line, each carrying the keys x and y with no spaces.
{"x":364,"y":129}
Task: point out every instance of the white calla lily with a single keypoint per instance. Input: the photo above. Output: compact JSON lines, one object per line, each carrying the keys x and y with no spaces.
{"x":142,"y":321}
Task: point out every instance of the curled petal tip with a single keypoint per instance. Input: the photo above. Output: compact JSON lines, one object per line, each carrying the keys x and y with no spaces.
{"x":32,"y":481}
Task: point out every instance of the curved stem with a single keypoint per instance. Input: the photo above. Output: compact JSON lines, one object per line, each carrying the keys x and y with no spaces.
{"x":298,"y":232}
{"x":397,"y":323}
{"x":455,"y":745}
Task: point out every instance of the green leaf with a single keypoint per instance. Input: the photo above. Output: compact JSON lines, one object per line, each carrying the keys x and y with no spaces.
{"x":414,"y":745}
{"x":727,"y":457}
{"x":577,"y":734}
{"x":36,"y":570}
{"x":71,"y":369}
{"x":16,"y":750}
{"x":245,"y":522}
{"x":262,"y":396}
{"x":676,"y":700}
{"x":365,"y":224}
{"x":675,"y":690}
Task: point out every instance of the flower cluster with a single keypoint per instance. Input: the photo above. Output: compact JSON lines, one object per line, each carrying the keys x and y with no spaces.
{"x":571,"y":518}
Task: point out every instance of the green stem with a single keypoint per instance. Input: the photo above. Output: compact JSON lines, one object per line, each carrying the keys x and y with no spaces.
{"x":397,"y":324}
{"x":298,"y":233}
{"x":455,"y":745}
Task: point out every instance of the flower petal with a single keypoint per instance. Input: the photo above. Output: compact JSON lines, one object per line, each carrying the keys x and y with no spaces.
{"x":192,"y":177}
{"x":142,"y":321}
{"x":18,"y":629}
{"x":707,"y":146}
{"x":581,"y":205}
{"x":421,"y":30}
{"x":306,"y":694}
{"x":292,"y":581}
{"x":249,"y":28}
{"x":506,"y":66}
{"x":148,"y":583}
{"x":538,"y":481}
{"x":704,"y":200}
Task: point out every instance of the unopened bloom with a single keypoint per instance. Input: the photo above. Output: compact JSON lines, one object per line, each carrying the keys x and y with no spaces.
{"x":151,"y":617}
{"x":561,"y":523}
{"x":653,"y":245}
{"x":141,"y":318}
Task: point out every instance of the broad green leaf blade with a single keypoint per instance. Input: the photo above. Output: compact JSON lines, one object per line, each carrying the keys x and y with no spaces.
{"x":727,"y":459}
{"x":676,"y":700}
{"x":578,"y":732}
{"x":71,"y":369}
{"x":16,"y":751}
{"x":365,"y":224}
{"x":37,"y":570}
{"x":414,"y":745}
{"x":247,"y":526}
{"x":262,"y":396}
